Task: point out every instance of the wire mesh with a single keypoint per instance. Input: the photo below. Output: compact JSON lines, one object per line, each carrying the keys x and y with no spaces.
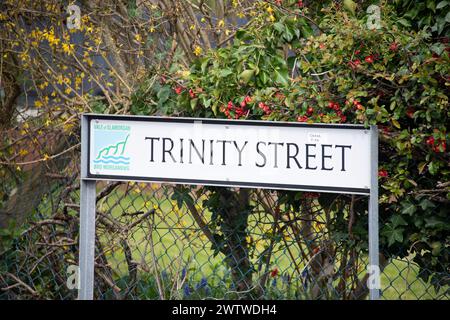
{"x":190,"y":242}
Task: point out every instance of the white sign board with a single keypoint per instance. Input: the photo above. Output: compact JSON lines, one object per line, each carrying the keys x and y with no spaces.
{"x":262,"y":154}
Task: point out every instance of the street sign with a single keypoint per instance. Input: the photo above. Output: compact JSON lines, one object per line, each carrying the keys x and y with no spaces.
{"x":338,"y":158}
{"x":261,"y":154}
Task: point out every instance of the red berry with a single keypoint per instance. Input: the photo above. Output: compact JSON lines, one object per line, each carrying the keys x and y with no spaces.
{"x":393,"y":46}
{"x":410,"y":112}
{"x":310,"y":111}
{"x":274,"y":272}
{"x":191,"y":93}
{"x":369,"y":59}
{"x":178,"y":90}
{"x":382,"y":173}
{"x":440,"y":147}
{"x":354,"y":64}
{"x":430,"y":141}
{"x":302,"y":119}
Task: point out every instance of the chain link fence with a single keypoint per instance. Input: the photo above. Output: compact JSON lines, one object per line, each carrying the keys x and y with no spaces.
{"x":189,"y":242}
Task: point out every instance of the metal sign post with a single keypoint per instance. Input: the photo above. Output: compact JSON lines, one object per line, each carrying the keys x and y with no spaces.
{"x":373,"y":210}
{"x":262,"y":154}
{"x":87,"y":221}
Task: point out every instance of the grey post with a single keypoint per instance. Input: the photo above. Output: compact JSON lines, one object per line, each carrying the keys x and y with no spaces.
{"x":87,"y":221}
{"x":373,"y":208}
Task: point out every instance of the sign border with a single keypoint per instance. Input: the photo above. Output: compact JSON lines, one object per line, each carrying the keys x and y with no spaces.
{"x":220,"y":183}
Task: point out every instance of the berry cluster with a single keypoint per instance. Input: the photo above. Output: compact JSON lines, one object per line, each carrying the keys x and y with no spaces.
{"x":236,"y":112}
{"x":265,"y":108}
{"x":336,"y":107}
{"x":355,"y":63}
{"x":437,"y":146}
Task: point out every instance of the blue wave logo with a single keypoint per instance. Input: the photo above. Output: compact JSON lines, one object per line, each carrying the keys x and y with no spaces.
{"x":113,"y":154}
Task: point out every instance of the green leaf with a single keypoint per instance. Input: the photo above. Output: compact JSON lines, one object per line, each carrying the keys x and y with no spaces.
{"x":350,"y":6}
{"x":398,"y":220}
{"x":393,"y":234}
{"x":442,"y":4}
{"x":427,"y":204}
{"x":163,"y":94}
{"x":435,"y":223}
{"x":194,"y":103}
{"x":278,"y":26}
{"x":214,"y":107}
{"x":282,"y":77}
{"x":246,"y":75}
{"x":404,"y":22}
{"x":396,"y":123}
{"x":225,"y":72}
{"x":409,"y":208}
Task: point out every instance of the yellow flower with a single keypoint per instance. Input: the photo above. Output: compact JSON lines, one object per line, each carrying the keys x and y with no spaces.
{"x":198,"y":50}
{"x":46,"y":157}
{"x":185,"y":74}
{"x":43,"y":85}
{"x":68,"y":48}
{"x":38,"y":104}
{"x":221,"y":23}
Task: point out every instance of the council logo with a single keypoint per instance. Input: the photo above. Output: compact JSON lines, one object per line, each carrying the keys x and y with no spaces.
{"x":111,"y":147}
